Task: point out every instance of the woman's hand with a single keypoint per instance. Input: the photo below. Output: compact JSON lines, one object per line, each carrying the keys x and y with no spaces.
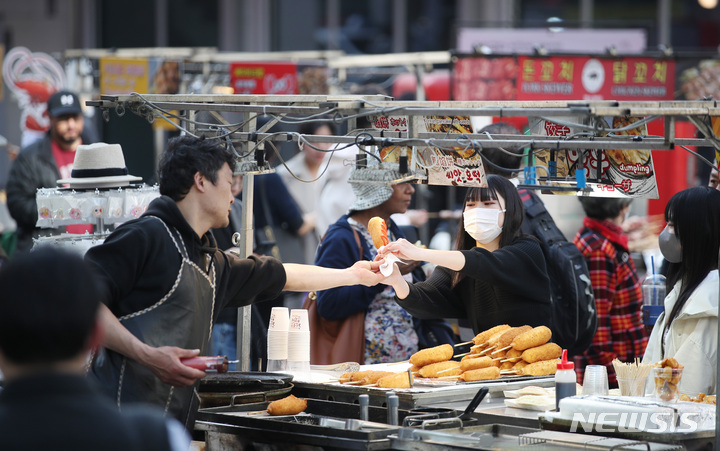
{"x":399,"y":284}
{"x":403,"y":249}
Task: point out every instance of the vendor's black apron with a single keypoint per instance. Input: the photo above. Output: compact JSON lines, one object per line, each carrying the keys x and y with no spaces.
{"x":182,"y":318}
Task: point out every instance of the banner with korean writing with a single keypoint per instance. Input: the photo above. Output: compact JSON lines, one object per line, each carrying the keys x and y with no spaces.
{"x":609,"y":172}
{"x":264,"y":78}
{"x":577,"y":77}
{"x":124,"y":75}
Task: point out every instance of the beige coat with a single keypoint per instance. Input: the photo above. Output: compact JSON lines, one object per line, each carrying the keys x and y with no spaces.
{"x":692,"y":337}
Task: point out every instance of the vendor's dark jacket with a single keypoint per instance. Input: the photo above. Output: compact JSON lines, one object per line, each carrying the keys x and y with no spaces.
{"x":63,"y":412}
{"x":507,"y":286}
{"x":33,"y":168}
{"x":138,"y":264}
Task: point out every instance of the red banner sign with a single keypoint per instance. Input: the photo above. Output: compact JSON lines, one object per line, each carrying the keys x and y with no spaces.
{"x":570,"y":78}
{"x":264,"y":78}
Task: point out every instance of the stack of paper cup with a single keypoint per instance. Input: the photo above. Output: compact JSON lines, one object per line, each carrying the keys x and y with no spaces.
{"x":277,"y":339}
{"x":299,"y":341}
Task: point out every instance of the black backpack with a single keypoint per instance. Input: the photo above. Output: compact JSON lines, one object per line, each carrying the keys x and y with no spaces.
{"x":573,"y":302}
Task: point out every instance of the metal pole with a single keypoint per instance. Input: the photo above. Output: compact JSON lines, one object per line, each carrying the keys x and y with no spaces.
{"x":246,"y":246}
{"x":399,"y":34}
{"x":664,"y":22}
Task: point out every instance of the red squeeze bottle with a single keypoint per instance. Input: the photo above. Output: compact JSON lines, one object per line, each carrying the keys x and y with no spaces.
{"x":565,"y":380}
{"x":217,"y":363}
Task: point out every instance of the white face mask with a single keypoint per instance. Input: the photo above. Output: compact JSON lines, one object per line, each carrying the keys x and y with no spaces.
{"x":482,"y":224}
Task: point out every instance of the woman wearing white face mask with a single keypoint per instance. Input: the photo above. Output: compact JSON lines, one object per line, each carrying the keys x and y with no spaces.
{"x":687,"y":330}
{"x":497,"y":275}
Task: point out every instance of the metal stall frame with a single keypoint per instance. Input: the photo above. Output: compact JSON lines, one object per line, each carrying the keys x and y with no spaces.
{"x":346,"y":108}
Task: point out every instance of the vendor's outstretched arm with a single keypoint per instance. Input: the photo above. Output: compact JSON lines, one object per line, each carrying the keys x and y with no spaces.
{"x":164,"y":361}
{"x":309,"y":277}
{"x":453,"y":260}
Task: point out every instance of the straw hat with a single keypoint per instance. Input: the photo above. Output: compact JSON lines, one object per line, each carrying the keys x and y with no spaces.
{"x":99,"y":165}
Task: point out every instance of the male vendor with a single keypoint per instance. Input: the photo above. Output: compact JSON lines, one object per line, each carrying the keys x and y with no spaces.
{"x":165,"y":281}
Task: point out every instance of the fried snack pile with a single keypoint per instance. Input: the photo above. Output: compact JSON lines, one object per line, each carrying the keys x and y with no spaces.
{"x":378,"y":231}
{"x":701,"y":397}
{"x":667,"y":374}
{"x":287,"y":406}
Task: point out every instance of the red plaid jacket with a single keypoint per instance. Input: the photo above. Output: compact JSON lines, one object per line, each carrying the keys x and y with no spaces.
{"x":618,"y":298}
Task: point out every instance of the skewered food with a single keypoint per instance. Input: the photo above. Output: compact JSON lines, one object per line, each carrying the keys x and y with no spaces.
{"x":513,"y":355}
{"x":532,"y":338}
{"x":482,"y":374}
{"x":447,"y":368}
{"x":547,"y":351}
{"x":541,"y":368}
{"x":508,"y":336}
{"x":432,"y":355}
{"x":378,"y":231}
{"x":484,"y":336}
{"x":395,"y":380}
{"x":287,"y":406}
{"x":475,"y":364}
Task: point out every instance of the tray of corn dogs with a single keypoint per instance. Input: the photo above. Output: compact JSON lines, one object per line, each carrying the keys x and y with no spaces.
{"x":502,"y":353}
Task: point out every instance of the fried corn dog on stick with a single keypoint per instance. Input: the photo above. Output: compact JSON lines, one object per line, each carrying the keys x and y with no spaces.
{"x":432,"y":355}
{"x":519,"y":365}
{"x":447,"y":368}
{"x":547,"y":351}
{"x":475,"y":364}
{"x":535,"y":337}
{"x":395,"y":380}
{"x":378,"y":231}
{"x":287,"y":406}
{"x":482,"y":374}
{"x":512,"y":355}
{"x":509,"y":335}
{"x":373,"y":377}
{"x":483,"y":337}
{"x":353,"y":377}
{"x":506,"y":366}
{"x":541,"y":368}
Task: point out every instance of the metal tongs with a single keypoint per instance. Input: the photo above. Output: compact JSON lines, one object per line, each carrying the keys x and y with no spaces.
{"x":431,"y":419}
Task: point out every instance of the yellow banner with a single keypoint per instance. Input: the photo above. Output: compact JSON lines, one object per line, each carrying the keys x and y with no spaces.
{"x":124,"y":75}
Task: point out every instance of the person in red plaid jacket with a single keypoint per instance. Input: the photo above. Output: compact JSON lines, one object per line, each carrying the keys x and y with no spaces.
{"x":618,"y":293}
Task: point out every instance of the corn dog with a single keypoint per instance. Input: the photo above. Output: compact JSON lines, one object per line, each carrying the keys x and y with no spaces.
{"x":535,"y":337}
{"x":500,"y":353}
{"x":287,"y":406}
{"x":513,"y":355}
{"x":378,"y":231}
{"x":482,"y":374}
{"x":448,"y":368}
{"x":519,"y":365}
{"x":432,"y":355}
{"x":354,"y":377}
{"x":506,"y":366}
{"x":373,"y":377}
{"x":475,"y":364}
{"x":541,"y":368}
{"x":545,"y":352}
{"x":482,"y":337}
{"x":395,"y":380}
{"x":508,"y":336}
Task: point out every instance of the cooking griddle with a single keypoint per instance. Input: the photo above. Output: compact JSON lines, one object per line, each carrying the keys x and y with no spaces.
{"x":234,"y":381}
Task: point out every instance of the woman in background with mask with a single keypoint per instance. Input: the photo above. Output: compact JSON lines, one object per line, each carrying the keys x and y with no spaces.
{"x":687,"y":330}
{"x":497,"y":275}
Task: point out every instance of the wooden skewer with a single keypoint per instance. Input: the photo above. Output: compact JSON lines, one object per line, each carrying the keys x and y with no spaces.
{"x":508,"y":372}
{"x":504,"y":349}
{"x":449,"y":369}
{"x":354,"y":382}
{"x":257,"y":412}
{"x":398,"y":363}
{"x":475,"y":356}
{"x":447,"y":378}
{"x":481,"y":345}
{"x":462,"y":355}
{"x":462,"y":344}
{"x":370,"y":385}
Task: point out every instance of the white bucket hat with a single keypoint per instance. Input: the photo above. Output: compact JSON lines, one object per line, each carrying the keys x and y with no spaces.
{"x":99,"y":165}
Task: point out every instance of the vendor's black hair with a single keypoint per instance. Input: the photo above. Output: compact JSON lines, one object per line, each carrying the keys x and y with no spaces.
{"x":602,"y":208}
{"x":498,"y":186}
{"x":184,"y":157}
{"x":695,"y":215}
{"x":48,"y":306}
{"x":309,"y":128}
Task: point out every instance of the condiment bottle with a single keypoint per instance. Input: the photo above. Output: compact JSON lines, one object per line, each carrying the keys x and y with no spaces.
{"x":565,"y":380}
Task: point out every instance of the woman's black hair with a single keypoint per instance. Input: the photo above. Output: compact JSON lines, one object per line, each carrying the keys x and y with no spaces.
{"x":498,"y":186}
{"x":187,"y":155}
{"x":695,"y":215}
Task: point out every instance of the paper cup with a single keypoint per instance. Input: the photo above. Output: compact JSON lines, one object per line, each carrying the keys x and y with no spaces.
{"x":279,"y":319}
{"x":299,"y":346}
{"x":277,"y":345}
{"x":299,"y":320}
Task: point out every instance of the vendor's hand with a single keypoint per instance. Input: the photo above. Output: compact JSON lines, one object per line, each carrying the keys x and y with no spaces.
{"x":367,"y":273}
{"x":403,"y":249}
{"x":397,"y":281}
{"x":165,"y":363}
